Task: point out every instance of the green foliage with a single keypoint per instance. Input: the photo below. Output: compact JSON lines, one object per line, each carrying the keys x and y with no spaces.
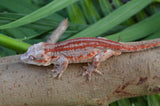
{"x":139,"y":30}
{"x":25,"y":22}
{"x":157,"y":0}
{"x":153,"y":100}
{"x":40,"y":13}
{"x":11,"y":43}
{"x":123,"y":102}
{"x":21,"y":5}
{"x":113,"y":19}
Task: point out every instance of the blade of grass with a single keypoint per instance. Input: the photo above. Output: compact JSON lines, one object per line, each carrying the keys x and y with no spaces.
{"x":12,"y":43}
{"x":153,"y":36}
{"x":75,"y":14}
{"x":40,"y":13}
{"x":141,"y":101}
{"x":139,"y":30}
{"x":44,"y":24}
{"x":138,"y":101}
{"x":20,"y":33}
{"x":114,"y":18}
{"x":141,"y":15}
{"x":6,"y":52}
{"x":89,"y":11}
{"x":22,"y":6}
{"x":114,"y":104}
{"x":153,"y":100}
{"x":153,"y":8}
{"x":116,"y":3}
{"x":105,"y":6}
{"x":157,"y":0}
{"x":41,"y":27}
{"x":124,"y":102}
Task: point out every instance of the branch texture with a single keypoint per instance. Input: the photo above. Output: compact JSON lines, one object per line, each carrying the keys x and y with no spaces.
{"x":127,"y":75}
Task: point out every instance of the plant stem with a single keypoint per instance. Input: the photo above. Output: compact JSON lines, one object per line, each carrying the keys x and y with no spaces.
{"x":13,"y":43}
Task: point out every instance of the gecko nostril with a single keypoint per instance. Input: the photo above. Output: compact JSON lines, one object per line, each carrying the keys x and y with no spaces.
{"x":23,"y":57}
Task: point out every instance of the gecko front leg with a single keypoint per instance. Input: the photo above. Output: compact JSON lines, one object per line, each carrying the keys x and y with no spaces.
{"x":60,"y":66}
{"x":97,"y":59}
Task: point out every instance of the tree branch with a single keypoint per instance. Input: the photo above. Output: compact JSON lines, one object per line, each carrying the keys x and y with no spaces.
{"x":127,"y":75}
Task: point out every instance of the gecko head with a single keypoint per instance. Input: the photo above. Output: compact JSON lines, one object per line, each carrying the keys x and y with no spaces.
{"x":36,"y":55}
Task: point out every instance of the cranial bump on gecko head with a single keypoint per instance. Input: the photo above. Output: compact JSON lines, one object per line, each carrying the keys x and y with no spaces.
{"x":35,"y":55}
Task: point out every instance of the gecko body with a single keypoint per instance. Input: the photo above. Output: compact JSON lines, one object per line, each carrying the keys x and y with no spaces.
{"x":81,"y":50}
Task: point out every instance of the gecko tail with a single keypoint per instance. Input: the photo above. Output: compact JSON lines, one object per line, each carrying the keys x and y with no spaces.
{"x":140,"y":46}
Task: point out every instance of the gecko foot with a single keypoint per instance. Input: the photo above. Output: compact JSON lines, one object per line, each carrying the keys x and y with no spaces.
{"x":57,"y":73}
{"x":89,"y":72}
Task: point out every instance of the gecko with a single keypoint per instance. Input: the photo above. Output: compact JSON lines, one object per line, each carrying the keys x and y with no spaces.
{"x":81,"y":50}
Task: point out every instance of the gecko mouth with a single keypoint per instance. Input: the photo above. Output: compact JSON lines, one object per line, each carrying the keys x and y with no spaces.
{"x":24,"y":58}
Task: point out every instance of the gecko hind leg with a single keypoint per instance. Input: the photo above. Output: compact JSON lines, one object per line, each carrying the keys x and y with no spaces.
{"x":97,"y":59}
{"x":61,"y":65}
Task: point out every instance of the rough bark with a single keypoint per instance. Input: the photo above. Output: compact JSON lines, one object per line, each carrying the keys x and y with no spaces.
{"x":127,"y":75}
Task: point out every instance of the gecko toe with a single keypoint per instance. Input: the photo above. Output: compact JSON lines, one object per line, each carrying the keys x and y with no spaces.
{"x":84,"y":73}
{"x":98,"y":72}
{"x":60,"y":74}
{"x":85,"y":67}
{"x":88,"y":73}
{"x":57,"y":73}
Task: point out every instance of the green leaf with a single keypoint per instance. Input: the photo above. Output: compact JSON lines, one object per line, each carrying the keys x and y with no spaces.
{"x":40,"y":13}
{"x":37,"y":28}
{"x":139,"y":30}
{"x":153,"y":100}
{"x":114,"y":18}
{"x":75,"y":14}
{"x":138,"y":101}
{"x":116,"y":3}
{"x":6,"y":52}
{"x":141,"y":15}
{"x":114,"y":104}
{"x":124,"y":102}
{"x":157,"y":0}
{"x":153,"y":36}
{"x":20,"y":33}
{"x":12,"y":43}
{"x":20,"y":6}
{"x":106,"y":7}
{"x":46,"y":24}
{"x":90,"y":11}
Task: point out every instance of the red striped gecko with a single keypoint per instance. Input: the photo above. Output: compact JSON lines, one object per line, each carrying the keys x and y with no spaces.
{"x":81,"y":50}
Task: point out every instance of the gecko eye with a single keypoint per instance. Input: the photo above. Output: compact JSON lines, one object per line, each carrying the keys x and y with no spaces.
{"x":32,"y":57}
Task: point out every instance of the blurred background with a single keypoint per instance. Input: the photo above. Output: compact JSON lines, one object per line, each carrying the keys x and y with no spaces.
{"x":32,"y":21}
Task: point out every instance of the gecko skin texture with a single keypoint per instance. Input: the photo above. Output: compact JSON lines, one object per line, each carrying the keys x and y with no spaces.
{"x":81,"y":50}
